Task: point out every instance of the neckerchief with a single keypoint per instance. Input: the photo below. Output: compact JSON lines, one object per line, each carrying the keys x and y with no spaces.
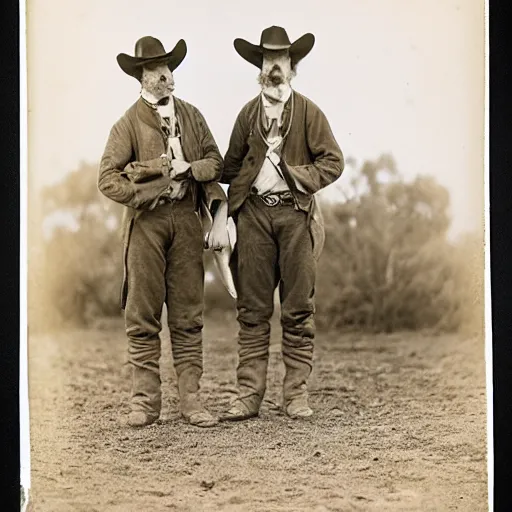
{"x":166,"y":111}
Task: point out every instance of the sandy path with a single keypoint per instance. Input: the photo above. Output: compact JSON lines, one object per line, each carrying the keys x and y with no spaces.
{"x":400,"y":425}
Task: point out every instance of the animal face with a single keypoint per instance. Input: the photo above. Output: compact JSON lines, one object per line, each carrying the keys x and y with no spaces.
{"x":157,"y":79}
{"x":276,"y":69}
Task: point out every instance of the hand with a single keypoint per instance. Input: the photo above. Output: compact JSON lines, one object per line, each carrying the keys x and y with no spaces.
{"x":166,"y":164}
{"x":178,"y":167}
{"x":218,"y":238}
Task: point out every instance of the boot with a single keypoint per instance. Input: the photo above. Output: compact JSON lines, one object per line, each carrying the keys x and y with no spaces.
{"x":296,"y":405}
{"x":145,"y":396}
{"x":190,"y":405}
{"x":252,"y":380}
{"x":297,"y":358}
{"x":295,"y":394}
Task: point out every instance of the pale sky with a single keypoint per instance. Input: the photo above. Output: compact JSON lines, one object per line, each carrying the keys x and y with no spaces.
{"x":398,"y":76}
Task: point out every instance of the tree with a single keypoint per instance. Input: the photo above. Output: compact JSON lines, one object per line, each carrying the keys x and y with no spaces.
{"x":387,"y":263}
{"x":82,"y":258}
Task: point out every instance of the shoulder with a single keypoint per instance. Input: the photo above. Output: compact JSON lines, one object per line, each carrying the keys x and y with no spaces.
{"x":127,"y":118}
{"x":181,"y":104}
{"x":310,"y":106}
{"x":250,"y":106}
{"x":247,"y":113}
{"x":122,"y":127}
{"x":131,"y":112}
{"x":190,"y":111}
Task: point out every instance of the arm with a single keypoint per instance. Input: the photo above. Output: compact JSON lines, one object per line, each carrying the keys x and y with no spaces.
{"x":138,"y":172}
{"x":328,"y":161}
{"x":113,"y":181}
{"x":237,"y":149}
{"x":209,"y":168}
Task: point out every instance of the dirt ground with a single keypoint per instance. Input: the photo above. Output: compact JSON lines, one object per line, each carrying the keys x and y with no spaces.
{"x":400,"y":425}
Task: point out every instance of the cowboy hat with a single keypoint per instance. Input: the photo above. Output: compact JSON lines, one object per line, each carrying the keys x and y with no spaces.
{"x":274,"y":38}
{"x":149,"y":50}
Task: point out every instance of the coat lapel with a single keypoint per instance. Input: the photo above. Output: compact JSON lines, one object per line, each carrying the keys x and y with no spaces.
{"x":148,"y":116}
{"x":286,"y":112}
{"x":190,"y":139}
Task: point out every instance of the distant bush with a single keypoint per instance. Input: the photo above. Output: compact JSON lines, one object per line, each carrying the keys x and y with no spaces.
{"x":76,"y":275}
{"x":387,"y":264}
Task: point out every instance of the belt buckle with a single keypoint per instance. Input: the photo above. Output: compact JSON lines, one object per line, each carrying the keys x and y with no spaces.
{"x":278,"y":199}
{"x":271,"y":199}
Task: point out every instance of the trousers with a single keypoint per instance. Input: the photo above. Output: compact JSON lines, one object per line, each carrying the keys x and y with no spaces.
{"x":164,"y":265}
{"x":274,"y":248}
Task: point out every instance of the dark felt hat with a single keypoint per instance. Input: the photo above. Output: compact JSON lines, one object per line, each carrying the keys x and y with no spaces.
{"x":274,"y":38}
{"x":149,"y":50}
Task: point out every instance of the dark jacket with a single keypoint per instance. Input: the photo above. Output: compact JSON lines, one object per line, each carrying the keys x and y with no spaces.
{"x":134,"y":146}
{"x":310,"y":154}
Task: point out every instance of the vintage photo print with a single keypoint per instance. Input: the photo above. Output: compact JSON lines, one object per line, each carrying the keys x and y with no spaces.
{"x":255,"y":245}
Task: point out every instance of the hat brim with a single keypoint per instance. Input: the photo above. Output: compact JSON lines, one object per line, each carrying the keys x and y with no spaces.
{"x":254,"y":53}
{"x":133,"y":65}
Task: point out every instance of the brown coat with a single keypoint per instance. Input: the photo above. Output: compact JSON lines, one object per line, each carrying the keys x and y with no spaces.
{"x":310,"y":154}
{"x":134,"y":146}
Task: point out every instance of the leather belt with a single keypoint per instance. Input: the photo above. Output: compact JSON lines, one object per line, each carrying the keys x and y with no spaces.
{"x":166,"y":200}
{"x":278,"y":199}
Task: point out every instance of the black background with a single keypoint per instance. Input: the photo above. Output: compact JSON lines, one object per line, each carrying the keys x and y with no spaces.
{"x":9,"y":252}
{"x":500,"y":183}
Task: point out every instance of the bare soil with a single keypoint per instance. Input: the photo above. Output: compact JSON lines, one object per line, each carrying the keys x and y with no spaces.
{"x":400,"y":424}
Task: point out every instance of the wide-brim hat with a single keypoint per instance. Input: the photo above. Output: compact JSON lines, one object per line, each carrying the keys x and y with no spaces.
{"x":149,"y":50}
{"x":274,"y":38}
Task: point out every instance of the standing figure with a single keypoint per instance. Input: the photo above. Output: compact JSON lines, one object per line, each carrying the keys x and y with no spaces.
{"x":162,"y":163}
{"x":281,"y":152}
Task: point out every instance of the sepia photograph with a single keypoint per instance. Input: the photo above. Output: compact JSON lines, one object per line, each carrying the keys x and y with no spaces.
{"x":255,"y":241}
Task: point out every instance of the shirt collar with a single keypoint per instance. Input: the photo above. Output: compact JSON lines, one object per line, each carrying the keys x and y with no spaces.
{"x":163,"y":110}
